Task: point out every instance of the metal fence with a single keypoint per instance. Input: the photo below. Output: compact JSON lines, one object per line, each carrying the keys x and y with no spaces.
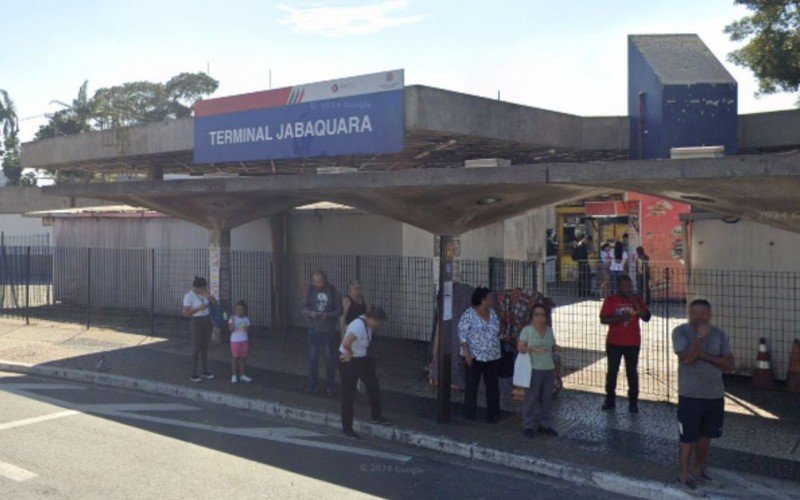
{"x":747,"y":305}
{"x":141,"y":290}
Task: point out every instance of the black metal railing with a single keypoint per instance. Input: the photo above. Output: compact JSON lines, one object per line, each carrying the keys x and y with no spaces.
{"x":141,"y":290}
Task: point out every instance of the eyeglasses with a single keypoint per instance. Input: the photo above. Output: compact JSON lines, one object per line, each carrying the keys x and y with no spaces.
{"x":539,"y":315}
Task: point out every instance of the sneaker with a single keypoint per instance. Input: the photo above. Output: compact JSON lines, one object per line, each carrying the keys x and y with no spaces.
{"x":310,"y":391}
{"x":208,"y":375}
{"x":609,"y":405}
{"x":633,"y":407}
{"x":492,"y":420}
{"x":245,"y":379}
{"x":234,"y":379}
{"x":195,"y":378}
{"x":529,"y":433}
{"x":381,"y":420}
{"x":351,"y":434}
{"x":329,"y":393}
{"x":548,"y":431}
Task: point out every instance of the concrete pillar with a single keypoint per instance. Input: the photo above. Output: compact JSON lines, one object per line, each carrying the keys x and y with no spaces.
{"x":280,"y":272}
{"x":219,"y":260}
{"x":443,"y":347}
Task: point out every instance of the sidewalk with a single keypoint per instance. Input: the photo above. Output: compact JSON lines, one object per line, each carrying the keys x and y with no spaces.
{"x":762,"y":429}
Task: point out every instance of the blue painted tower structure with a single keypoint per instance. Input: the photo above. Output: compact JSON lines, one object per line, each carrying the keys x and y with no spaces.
{"x":679,"y":95}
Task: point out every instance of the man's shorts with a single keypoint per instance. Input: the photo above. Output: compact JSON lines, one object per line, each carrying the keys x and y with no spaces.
{"x":700,"y":418}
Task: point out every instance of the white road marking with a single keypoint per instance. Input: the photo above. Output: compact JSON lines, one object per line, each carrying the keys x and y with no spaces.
{"x":273,"y":436}
{"x":288,"y":435}
{"x":15,"y":473}
{"x":36,"y":420}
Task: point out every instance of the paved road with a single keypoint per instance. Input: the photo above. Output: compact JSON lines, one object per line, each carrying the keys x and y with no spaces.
{"x":68,"y":440}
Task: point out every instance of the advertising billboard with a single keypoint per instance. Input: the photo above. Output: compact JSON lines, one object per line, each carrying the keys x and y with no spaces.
{"x":347,"y":116}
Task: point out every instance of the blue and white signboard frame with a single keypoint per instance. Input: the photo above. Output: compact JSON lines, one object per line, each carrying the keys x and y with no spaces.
{"x":349,"y":116}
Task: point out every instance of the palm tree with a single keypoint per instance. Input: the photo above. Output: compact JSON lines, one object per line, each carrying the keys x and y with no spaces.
{"x":9,"y":130}
{"x":82,"y":110}
{"x":9,"y":124}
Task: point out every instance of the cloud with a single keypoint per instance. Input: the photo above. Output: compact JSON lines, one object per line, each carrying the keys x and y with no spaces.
{"x":342,"y":21}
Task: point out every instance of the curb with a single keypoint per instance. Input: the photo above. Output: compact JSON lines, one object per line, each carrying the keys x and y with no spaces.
{"x":604,"y":480}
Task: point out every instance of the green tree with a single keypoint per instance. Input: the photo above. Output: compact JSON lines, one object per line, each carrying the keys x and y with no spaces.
{"x":73,"y":118}
{"x":185,"y":89}
{"x":9,"y":130}
{"x":131,"y":103}
{"x":772,"y":51}
{"x":135,"y":103}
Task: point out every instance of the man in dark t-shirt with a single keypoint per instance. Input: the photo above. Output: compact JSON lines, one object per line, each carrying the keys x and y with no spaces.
{"x":622,"y":312}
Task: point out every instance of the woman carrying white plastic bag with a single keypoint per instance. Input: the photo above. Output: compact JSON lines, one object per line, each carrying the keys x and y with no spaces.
{"x":522,"y":371}
{"x":538,"y":342}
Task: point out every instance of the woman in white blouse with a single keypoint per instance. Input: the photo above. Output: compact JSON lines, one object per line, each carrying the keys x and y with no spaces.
{"x":479,"y":334}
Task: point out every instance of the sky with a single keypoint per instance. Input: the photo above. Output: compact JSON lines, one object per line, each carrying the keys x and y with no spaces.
{"x":567,"y":55}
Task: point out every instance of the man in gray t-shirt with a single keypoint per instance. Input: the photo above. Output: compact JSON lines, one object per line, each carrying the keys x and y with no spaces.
{"x":705,"y":354}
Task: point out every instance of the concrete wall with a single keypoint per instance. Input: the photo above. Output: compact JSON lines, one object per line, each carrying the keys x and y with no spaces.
{"x":13,"y":225}
{"x":155,"y":232}
{"x":776,"y":129}
{"x":153,"y":138}
{"x":345,"y":233}
{"x":751,"y":275}
{"x":743,"y":246}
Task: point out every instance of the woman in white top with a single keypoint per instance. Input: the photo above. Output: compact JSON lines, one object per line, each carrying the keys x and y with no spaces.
{"x":618,"y":264}
{"x":355,"y":363}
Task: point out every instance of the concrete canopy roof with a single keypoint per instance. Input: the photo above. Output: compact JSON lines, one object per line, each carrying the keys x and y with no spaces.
{"x":453,"y":201}
{"x":443,"y":129}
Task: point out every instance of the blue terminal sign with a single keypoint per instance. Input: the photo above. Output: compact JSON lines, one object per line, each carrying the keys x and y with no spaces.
{"x":350,"y":116}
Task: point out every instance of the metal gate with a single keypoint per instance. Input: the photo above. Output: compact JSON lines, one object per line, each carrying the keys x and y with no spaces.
{"x":576,"y":322}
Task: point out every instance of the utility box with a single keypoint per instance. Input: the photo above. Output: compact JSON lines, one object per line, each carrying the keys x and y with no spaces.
{"x":679,"y":95}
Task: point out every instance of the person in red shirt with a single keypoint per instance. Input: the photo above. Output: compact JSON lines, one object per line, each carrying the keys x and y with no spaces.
{"x":622,"y":312}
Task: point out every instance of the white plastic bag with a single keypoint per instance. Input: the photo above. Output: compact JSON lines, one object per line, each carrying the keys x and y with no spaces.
{"x":522,"y":370}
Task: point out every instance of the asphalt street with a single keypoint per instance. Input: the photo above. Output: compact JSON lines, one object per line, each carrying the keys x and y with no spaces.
{"x":69,"y":440}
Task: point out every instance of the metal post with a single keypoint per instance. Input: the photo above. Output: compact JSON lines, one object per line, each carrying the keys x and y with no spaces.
{"x":667,"y":339}
{"x":153,"y":292}
{"x":446,"y":254}
{"x":28,"y":285}
{"x":88,"y":288}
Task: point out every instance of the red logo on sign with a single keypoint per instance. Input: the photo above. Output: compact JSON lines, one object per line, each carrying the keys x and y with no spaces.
{"x":389,"y":77}
{"x":334,"y":88}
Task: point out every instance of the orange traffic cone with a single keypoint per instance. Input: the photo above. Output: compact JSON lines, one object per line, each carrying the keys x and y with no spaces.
{"x":793,"y":375}
{"x":762,"y":375}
